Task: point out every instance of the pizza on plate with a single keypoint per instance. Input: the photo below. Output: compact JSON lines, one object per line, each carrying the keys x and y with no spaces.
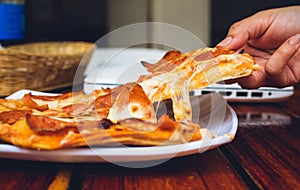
{"x":125,"y":115}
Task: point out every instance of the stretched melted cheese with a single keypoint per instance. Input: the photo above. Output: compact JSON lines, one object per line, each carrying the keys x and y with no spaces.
{"x":195,"y":72}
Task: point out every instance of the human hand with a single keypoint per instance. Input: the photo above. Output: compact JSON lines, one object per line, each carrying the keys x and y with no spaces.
{"x":272,"y":37}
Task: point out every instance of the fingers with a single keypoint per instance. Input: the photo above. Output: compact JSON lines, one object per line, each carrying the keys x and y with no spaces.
{"x":278,"y":61}
{"x":256,"y":80}
{"x":245,"y":30}
{"x":277,"y":69}
{"x":274,"y":72}
{"x":237,"y":36}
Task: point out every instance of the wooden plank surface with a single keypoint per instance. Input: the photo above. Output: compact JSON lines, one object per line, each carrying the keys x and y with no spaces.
{"x":26,"y":175}
{"x":210,"y":170}
{"x":267,"y":145}
{"x":201,"y":171}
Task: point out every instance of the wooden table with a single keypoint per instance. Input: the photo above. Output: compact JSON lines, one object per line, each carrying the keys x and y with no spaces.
{"x":264,"y":155}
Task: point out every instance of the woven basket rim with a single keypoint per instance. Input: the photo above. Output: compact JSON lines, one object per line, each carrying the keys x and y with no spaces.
{"x":42,"y":49}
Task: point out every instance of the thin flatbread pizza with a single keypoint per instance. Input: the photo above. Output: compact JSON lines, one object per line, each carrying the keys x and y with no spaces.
{"x":127,"y":114}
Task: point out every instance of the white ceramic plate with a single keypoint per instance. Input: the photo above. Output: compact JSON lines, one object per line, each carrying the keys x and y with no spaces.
{"x":214,"y":113}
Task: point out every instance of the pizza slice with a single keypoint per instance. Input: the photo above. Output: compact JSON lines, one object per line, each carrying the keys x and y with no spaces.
{"x":199,"y":68}
{"x":176,"y":74}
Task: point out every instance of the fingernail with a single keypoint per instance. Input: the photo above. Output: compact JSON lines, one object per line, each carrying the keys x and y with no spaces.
{"x":295,"y":39}
{"x":226,"y":41}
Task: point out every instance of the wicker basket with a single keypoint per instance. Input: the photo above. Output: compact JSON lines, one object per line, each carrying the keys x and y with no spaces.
{"x":43,"y":66}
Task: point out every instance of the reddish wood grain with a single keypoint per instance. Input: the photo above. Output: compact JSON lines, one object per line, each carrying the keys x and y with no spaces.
{"x":26,"y":175}
{"x":268,"y":151}
{"x":201,"y":171}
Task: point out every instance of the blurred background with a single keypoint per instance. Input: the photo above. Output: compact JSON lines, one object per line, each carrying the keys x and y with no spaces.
{"x":89,"y":20}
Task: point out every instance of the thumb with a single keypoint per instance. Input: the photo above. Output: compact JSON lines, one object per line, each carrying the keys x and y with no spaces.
{"x":243,"y":31}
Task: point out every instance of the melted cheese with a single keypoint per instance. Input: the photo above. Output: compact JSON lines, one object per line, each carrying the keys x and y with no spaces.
{"x":173,"y":85}
{"x":193,"y":74}
{"x":132,"y":102}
